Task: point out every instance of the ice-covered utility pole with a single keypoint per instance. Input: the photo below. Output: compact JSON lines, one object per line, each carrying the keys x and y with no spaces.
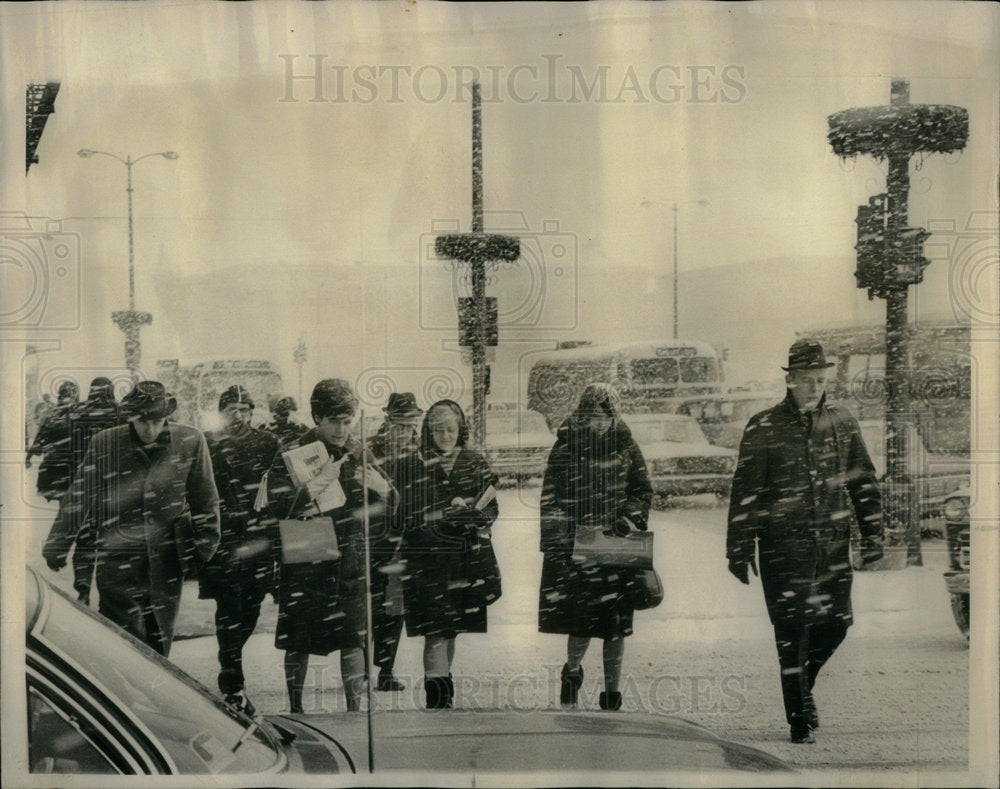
{"x":890,"y":259}
{"x":478,"y":315}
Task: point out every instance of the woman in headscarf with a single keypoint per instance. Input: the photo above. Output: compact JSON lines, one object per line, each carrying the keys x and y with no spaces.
{"x":596,"y":476}
{"x":447,"y":507}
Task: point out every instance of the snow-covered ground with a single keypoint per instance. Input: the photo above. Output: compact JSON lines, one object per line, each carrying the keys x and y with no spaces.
{"x":894,"y":696}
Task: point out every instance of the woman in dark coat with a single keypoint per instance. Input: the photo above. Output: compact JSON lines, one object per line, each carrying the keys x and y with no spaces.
{"x":596,"y":476}
{"x":321,"y":605}
{"x":447,"y":508}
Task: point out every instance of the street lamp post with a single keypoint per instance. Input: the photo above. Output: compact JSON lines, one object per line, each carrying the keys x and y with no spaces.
{"x":674,"y":205}
{"x":130,"y":321}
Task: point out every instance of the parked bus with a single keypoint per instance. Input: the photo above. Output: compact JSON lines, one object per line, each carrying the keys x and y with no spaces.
{"x":939,"y":371}
{"x":649,"y":375}
{"x":197,"y":387}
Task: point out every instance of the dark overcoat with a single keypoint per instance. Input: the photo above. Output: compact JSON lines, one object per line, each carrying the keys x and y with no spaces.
{"x":799,"y":479}
{"x":244,"y":562}
{"x":592,"y":480}
{"x":322,"y":604}
{"x":158,"y":503}
{"x":440,"y":576}
{"x":54,"y":439}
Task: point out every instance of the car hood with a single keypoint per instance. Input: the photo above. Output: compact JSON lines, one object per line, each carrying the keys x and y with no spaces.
{"x":680,"y":449}
{"x":471,"y":741}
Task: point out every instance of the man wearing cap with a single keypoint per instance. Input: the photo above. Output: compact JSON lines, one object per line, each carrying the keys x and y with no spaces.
{"x":395,"y":441}
{"x":242,"y":570}
{"x":282,"y":425}
{"x":803,"y":470}
{"x":98,"y":412}
{"x":54,"y":443}
{"x":146,"y":493}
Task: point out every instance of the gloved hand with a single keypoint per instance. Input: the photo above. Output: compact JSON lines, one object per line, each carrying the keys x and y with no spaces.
{"x":27,"y":463}
{"x":741,"y":571}
{"x":464,"y":517}
{"x":55,"y":561}
{"x":871,"y":549}
{"x":623,"y":526}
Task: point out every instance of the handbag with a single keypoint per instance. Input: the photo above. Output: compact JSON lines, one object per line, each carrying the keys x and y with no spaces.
{"x":645,"y":589}
{"x":594,"y":545}
{"x":307,"y":539}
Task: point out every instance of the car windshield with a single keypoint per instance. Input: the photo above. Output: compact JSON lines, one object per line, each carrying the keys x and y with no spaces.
{"x":198,"y":732}
{"x":680,"y":430}
{"x":516,"y":423}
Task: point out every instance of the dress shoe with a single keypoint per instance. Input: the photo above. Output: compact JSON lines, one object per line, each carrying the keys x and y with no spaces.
{"x":388,"y":682}
{"x":801,"y":733}
{"x":239,"y":701}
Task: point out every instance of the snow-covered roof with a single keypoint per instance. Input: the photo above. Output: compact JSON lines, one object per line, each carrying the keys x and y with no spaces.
{"x":647,"y":349}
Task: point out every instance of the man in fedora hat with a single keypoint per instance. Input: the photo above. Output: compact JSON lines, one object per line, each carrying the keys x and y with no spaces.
{"x":242,"y":571}
{"x":803,"y":470}
{"x":395,"y":441}
{"x":146,"y":496}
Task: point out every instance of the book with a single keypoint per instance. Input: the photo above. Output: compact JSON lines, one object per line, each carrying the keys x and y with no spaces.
{"x":487,"y":496}
{"x":310,"y":466}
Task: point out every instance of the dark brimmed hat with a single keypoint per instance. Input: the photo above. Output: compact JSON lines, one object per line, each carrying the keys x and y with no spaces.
{"x":402,"y":405}
{"x":235,"y":394}
{"x":150,"y":400}
{"x":806,"y":354}
{"x":333,"y":397}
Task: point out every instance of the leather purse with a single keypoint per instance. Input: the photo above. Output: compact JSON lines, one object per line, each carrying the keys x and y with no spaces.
{"x":594,"y":545}
{"x":646,"y":589}
{"x":307,"y":539}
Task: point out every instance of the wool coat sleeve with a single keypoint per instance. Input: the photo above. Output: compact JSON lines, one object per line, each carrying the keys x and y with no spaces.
{"x":74,"y":509}
{"x":203,"y":499}
{"x":749,"y":484}
{"x":862,"y":484}
{"x":638,"y":489}
{"x":556,"y":528}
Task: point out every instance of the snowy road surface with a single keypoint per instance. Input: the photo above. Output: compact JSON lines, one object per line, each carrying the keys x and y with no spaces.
{"x":894,"y":696}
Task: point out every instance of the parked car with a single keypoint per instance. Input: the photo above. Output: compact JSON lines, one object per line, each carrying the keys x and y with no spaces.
{"x":723,"y":417}
{"x":681,"y":461}
{"x":936,"y":474}
{"x":956,"y":516}
{"x":101,"y":702}
{"x":518,"y":442}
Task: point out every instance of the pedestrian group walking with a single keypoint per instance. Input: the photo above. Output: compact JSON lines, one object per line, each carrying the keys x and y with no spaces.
{"x":348,"y":537}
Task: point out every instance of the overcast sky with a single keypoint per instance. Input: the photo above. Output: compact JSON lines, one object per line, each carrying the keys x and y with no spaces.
{"x":304,"y":206}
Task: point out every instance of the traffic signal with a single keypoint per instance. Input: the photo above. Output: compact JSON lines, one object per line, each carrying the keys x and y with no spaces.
{"x":871,"y":223}
{"x":887,"y":261}
{"x":468,"y":320}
